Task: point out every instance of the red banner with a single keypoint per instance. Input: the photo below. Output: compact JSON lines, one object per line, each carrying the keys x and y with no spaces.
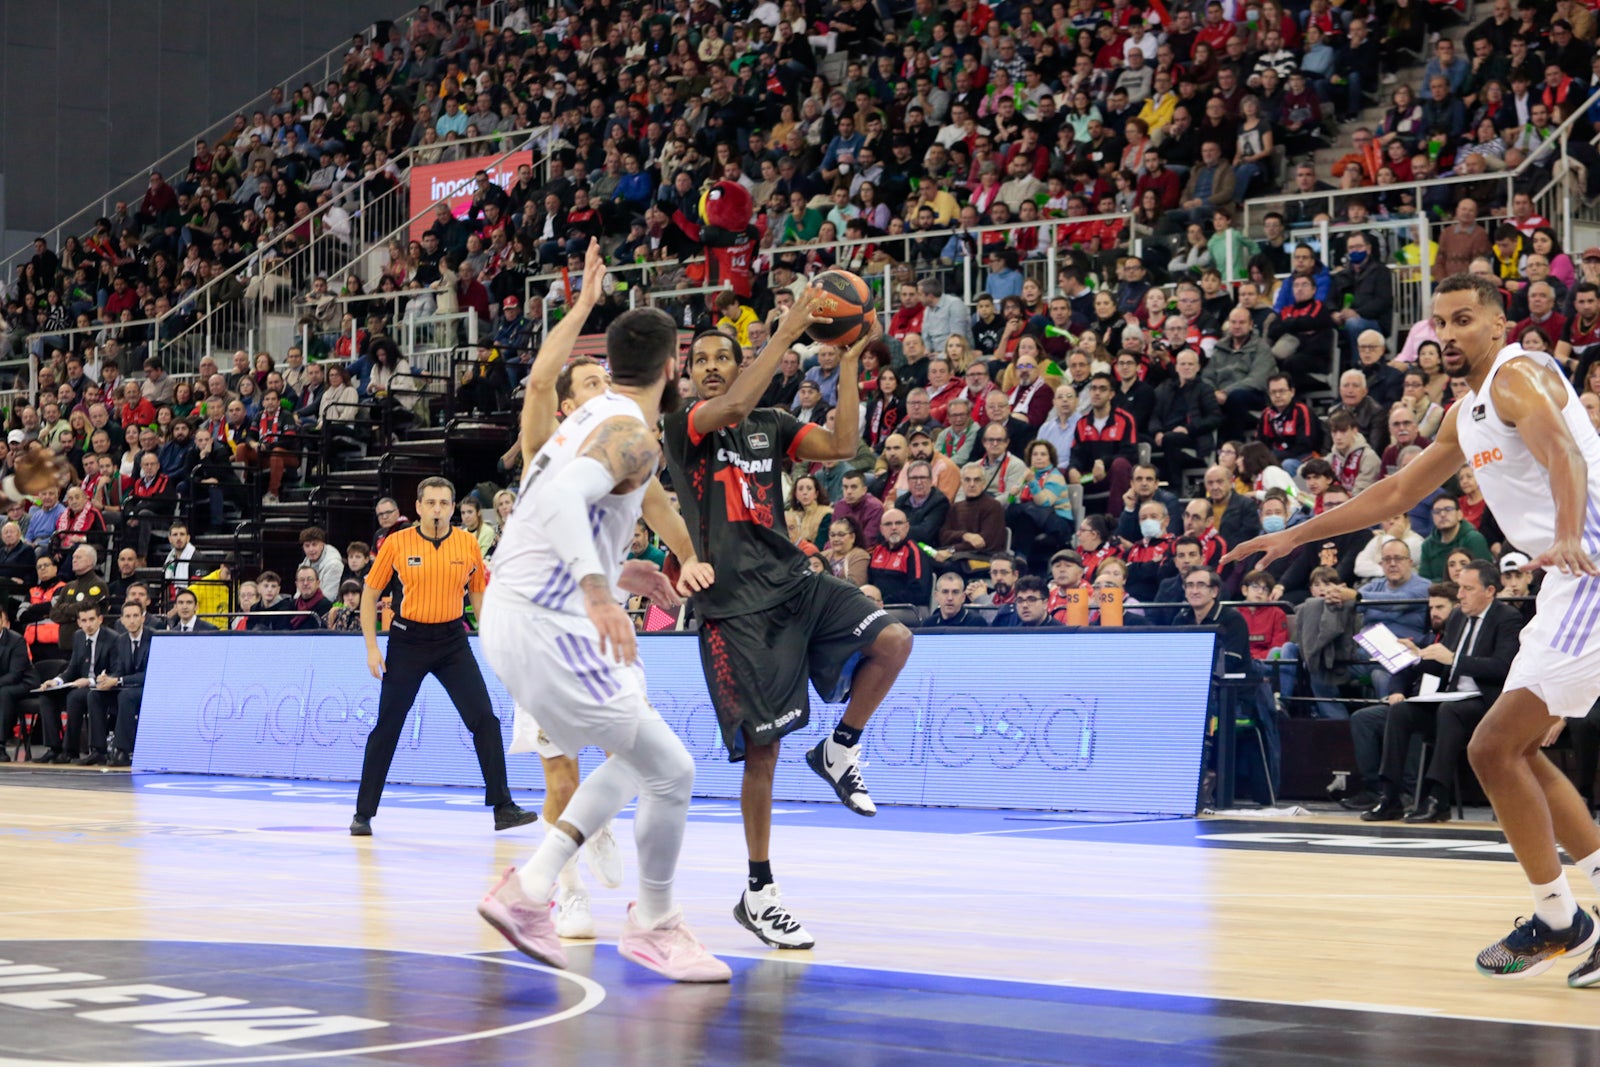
{"x":453,"y":182}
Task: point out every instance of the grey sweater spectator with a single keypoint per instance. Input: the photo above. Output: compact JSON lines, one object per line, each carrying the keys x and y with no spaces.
{"x":324,"y":559}
{"x":943,"y":315}
{"x":1241,"y":360}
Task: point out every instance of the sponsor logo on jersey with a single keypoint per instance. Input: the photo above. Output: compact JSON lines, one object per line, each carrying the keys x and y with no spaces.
{"x":1479,"y":414}
{"x":749,"y":466}
{"x":759,"y":440}
{"x":413,"y":561}
{"x":1483,"y":459}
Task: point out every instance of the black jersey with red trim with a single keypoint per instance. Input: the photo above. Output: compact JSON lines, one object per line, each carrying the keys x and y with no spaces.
{"x":730,"y":490}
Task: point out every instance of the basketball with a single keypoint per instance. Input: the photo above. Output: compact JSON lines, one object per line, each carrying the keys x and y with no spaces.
{"x":848,"y":302}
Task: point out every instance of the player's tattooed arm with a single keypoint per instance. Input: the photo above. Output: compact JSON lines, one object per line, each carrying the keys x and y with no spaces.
{"x":628,"y":451}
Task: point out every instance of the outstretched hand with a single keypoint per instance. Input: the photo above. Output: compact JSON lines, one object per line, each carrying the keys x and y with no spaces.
{"x":1566,"y":555}
{"x":640,"y":577}
{"x":594,"y":273}
{"x":1271,"y":546}
{"x":852,"y":355}
{"x":800,"y":317}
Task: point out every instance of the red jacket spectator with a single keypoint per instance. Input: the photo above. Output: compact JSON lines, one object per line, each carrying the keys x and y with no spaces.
{"x":901,"y":574}
{"x":1117,"y":439}
{"x":1269,"y":628}
{"x":1145,"y":562}
{"x":1291,"y":433}
{"x":141,"y":414}
{"x":1091,"y":560}
{"x":1033,"y":402}
{"x":906,"y":319}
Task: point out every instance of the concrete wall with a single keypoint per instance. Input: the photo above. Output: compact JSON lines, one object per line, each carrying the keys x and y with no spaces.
{"x":91,"y":91}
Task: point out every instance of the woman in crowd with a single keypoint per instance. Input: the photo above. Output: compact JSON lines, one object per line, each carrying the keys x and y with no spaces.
{"x":1040,"y":519}
{"x":845,"y":557}
{"x":809,"y":503}
{"x":886,"y":410}
{"x":472,"y":522}
{"x":1096,"y":542}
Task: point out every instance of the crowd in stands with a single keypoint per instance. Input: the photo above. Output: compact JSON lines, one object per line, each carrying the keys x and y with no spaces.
{"x":1177,"y":387}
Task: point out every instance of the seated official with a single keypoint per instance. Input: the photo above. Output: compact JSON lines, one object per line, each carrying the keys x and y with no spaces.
{"x":1367,"y":724}
{"x":73,"y":689}
{"x":950,"y":594}
{"x":1480,"y":641}
{"x":121,"y":687}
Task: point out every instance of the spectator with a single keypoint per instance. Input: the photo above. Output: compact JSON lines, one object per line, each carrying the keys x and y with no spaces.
{"x":1355,"y":464}
{"x":943,"y":316}
{"x":1040,"y":517}
{"x":1104,"y":447}
{"x":1369,"y":564}
{"x":861,"y":508}
{"x":809,"y":504}
{"x":1234,"y":516}
{"x":309,"y":599}
{"x":1403,"y":434}
{"x":950,"y":600}
{"x":1450,"y":532}
{"x":845,"y":557}
{"x":1144,"y":488}
{"x":897,"y":566}
{"x":1030,"y":607}
{"x":185,"y":607}
{"x":323,"y":558}
{"x":1288,"y":429}
{"x":975,"y":527}
{"x":1241,"y":362}
{"x":924,"y":504}
{"x":270,"y":612}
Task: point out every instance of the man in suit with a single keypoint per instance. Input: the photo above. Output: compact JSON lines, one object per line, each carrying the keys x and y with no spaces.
{"x":91,"y":653}
{"x":120,"y":687}
{"x":1480,"y":641}
{"x":17,"y":676}
{"x":184,"y":619}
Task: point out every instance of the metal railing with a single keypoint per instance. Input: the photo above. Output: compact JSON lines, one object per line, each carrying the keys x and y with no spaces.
{"x":81,"y":222}
{"x":235,"y":309}
{"x":1541,"y":158}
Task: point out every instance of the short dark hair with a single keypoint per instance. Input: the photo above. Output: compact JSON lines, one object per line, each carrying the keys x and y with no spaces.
{"x":1032,"y":583}
{"x":1487,"y":573}
{"x":178,"y":524}
{"x":314,"y":533}
{"x":639,"y":343}
{"x":1211,"y":576}
{"x":564,"y":379}
{"x":269,"y":576}
{"x":357,"y":546}
{"x":1009,"y":557}
{"x":434,"y":482}
{"x":180,"y":594}
{"x":1187,"y":540}
{"x":92,"y":606}
{"x":1258,"y":577}
{"x":1447,"y":589}
{"x":1341,"y":421}
{"x":126,"y":604}
{"x":1316,"y":466}
{"x":1488,"y":292}
{"x":1279,"y":376}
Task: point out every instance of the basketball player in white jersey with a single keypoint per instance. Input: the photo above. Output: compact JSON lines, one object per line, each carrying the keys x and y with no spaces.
{"x":555,"y":385}
{"x":555,"y":632}
{"x":1538,"y":463}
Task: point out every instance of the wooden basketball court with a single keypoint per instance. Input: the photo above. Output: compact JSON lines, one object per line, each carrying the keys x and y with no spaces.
{"x":185,"y":920}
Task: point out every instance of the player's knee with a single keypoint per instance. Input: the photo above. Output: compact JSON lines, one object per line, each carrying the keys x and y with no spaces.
{"x":893,"y":645}
{"x":675,"y":773}
{"x":1489,"y":755}
{"x":760,"y":761}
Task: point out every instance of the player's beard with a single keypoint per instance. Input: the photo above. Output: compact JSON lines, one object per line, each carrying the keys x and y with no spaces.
{"x":670,"y":400}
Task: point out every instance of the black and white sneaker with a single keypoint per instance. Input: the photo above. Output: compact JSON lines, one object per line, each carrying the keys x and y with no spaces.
{"x":840,"y":767}
{"x":763,"y":914}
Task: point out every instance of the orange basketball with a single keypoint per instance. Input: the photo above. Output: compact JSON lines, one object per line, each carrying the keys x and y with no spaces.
{"x":848,"y":302}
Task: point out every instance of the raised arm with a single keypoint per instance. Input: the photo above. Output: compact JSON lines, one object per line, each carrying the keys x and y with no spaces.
{"x":842,"y":441}
{"x":1399,"y":492}
{"x":539,"y":403}
{"x":1530,"y":397}
{"x":744,"y":395}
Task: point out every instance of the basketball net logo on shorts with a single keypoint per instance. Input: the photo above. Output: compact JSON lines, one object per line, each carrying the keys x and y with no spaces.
{"x":1483,"y":459}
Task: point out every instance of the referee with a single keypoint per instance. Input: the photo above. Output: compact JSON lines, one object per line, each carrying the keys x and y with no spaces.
{"x":435,"y":564}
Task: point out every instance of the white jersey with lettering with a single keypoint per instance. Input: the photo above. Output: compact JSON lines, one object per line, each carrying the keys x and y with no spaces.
{"x":525,"y":562}
{"x":1515,"y":485}
{"x":1557,"y":660}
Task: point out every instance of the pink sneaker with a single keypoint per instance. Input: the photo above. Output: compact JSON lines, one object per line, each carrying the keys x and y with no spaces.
{"x":524,"y":923}
{"x":671,"y":949}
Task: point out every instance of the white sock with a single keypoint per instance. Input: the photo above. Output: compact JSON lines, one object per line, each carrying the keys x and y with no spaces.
{"x":1553,"y":903}
{"x":569,"y":878}
{"x":1590,"y":865}
{"x":539,"y":874}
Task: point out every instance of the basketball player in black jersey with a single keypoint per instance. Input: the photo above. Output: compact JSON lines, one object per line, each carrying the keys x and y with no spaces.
{"x":769,"y":625}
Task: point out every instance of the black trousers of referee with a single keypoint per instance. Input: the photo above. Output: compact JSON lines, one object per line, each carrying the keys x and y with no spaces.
{"x":417,"y":650}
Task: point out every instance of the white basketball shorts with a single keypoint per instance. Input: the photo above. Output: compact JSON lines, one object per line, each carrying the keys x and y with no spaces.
{"x":1559,"y":659}
{"x":551,"y":662}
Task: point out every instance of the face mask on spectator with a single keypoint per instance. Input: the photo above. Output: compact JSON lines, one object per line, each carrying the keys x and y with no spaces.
{"x":1357,"y":258}
{"x":1150,"y":528}
{"x":1273,"y":523}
